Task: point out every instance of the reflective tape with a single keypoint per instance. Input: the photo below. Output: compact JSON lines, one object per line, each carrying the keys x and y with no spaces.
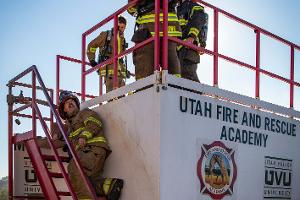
{"x":96,"y":139}
{"x":119,"y":43}
{"x":87,"y":134}
{"x":106,"y":185}
{"x":150,"y":18}
{"x":183,"y":22}
{"x":93,"y":119}
{"x":170,"y":33}
{"x":194,"y":31}
{"x":132,"y":10}
{"x":196,"y":8}
{"x":75,"y":133}
{"x":92,"y":50}
{"x":111,"y":72}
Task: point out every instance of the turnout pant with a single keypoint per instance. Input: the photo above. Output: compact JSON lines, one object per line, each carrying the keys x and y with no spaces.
{"x":92,"y":161}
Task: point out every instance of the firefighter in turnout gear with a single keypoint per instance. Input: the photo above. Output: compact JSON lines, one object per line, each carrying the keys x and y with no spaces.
{"x":143,"y":58}
{"x":193,"y":21}
{"x":105,"y":43}
{"x":85,"y":132}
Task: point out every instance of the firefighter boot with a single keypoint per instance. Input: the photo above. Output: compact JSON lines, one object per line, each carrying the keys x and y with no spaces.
{"x":112,"y":188}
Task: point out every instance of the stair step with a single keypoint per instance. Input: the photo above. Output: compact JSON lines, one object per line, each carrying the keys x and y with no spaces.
{"x":56,"y":175}
{"x":64,"y":193}
{"x":52,"y":158}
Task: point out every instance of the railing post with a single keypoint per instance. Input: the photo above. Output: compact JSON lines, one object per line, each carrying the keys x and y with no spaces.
{"x":83,"y":52}
{"x":157,"y":36}
{"x":165,"y":34}
{"x":10,"y":146}
{"x":57,"y":79}
{"x":33,"y":102}
{"x":51,"y":113}
{"x":257,"y":70}
{"x":216,"y":46}
{"x":100,"y":86}
{"x":292,"y":76}
{"x":116,"y":59}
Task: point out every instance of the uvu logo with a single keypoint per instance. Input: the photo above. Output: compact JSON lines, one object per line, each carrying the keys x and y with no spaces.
{"x":278,"y":178}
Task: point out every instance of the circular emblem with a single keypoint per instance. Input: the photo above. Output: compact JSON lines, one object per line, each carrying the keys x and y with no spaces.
{"x":216,"y":170}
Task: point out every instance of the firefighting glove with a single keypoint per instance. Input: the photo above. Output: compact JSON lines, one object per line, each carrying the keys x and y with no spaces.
{"x":93,"y":63}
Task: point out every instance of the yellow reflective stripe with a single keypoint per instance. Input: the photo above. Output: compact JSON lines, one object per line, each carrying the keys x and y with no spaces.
{"x":93,"y":119}
{"x":183,"y":22}
{"x":132,"y":10}
{"x":119,"y":43}
{"x":170,"y":33}
{"x":177,"y":75}
{"x":96,"y":139}
{"x":196,"y":8}
{"x":110,"y":72}
{"x":92,"y":50}
{"x":106,"y":185}
{"x":194,"y":31}
{"x":161,"y":15}
{"x":179,"y":47}
{"x":87,"y":134}
{"x":75,"y":133}
{"x":151,"y":18}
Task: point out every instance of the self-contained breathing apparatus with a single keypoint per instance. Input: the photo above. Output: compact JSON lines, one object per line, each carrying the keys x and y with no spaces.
{"x":107,"y":49}
{"x":184,"y":12}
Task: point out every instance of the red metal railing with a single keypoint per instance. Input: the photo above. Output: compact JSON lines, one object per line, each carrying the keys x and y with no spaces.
{"x":59,"y":58}
{"x":161,"y":63}
{"x":12,"y":139}
{"x":257,"y":68}
{"x":116,"y":56}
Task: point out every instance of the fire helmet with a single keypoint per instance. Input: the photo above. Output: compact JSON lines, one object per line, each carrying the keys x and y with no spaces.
{"x":63,"y":97}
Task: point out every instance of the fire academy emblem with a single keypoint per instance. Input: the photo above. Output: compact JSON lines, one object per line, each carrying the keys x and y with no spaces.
{"x":216,"y":170}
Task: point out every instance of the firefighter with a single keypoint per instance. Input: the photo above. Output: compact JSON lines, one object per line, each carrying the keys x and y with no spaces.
{"x":85,"y":132}
{"x":143,"y":58}
{"x":193,"y":21}
{"x":105,"y":44}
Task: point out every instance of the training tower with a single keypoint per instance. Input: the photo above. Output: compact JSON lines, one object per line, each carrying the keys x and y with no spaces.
{"x":171,"y":138}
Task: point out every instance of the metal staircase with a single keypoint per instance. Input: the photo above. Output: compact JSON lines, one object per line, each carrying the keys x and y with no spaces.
{"x":45,"y":177}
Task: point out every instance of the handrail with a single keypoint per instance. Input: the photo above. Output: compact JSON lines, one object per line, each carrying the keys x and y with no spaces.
{"x":58,"y":67}
{"x":36,"y":76}
{"x":114,"y":59}
{"x":250,"y":25}
{"x":216,"y":55}
{"x":56,"y":155}
{"x":215,"y":52}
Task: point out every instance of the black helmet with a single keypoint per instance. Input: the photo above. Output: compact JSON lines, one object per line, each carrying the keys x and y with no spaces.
{"x":63,"y":97}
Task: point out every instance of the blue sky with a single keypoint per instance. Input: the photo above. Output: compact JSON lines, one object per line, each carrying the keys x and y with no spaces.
{"x":34,"y":32}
